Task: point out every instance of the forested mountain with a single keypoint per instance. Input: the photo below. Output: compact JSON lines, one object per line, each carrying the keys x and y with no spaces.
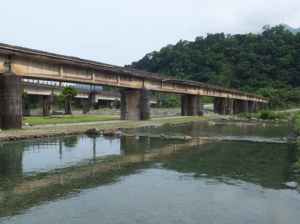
{"x":267,"y":64}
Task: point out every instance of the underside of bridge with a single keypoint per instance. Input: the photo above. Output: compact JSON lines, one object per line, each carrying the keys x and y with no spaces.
{"x":135,"y":104}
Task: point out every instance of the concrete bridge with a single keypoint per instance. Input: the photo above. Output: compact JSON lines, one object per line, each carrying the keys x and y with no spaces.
{"x":44,"y":93}
{"x":136,"y":85}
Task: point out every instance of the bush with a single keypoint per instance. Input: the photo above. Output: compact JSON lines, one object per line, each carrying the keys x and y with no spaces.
{"x":35,"y":106}
{"x":245,"y":115}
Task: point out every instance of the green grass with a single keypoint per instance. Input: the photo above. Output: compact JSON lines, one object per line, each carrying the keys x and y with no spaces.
{"x":66,"y":119}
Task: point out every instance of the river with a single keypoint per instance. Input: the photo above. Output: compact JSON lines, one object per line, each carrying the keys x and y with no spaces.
{"x":96,"y":179}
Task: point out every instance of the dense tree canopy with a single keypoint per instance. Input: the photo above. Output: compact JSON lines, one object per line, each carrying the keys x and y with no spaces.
{"x":267,"y":64}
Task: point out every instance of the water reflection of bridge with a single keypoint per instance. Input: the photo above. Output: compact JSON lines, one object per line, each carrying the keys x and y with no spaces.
{"x":19,"y":192}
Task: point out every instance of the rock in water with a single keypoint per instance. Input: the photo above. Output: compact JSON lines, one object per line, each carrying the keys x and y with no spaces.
{"x":93,"y":131}
{"x":109,"y":132}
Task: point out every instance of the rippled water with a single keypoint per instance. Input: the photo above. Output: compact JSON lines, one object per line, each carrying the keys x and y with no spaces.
{"x":91,"y":179}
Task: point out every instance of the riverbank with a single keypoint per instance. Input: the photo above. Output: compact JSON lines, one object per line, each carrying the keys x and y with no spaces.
{"x":80,"y":128}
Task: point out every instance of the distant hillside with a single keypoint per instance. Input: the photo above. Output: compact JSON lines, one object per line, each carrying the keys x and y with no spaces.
{"x":266,"y":63}
{"x":293,"y":31}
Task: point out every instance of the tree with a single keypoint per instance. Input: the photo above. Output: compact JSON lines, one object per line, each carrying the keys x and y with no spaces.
{"x":67,"y":96}
{"x":267,"y":63}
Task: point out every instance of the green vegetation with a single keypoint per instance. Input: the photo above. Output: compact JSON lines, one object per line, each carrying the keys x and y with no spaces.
{"x":24,"y":94}
{"x":60,"y":120}
{"x":269,"y":115}
{"x":267,"y":64}
{"x":35,"y":106}
{"x":297,"y":125}
{"x":171,"y":100}
{"x":67,"y":96}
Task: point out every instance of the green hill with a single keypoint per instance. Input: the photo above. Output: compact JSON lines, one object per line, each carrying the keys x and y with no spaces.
{"x":267,"y":64}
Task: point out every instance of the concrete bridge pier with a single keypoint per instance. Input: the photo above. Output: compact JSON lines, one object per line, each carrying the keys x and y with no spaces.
{"x":93,"y":99}
{"x":85,"y":109}
{"x":228,"y":106}
{"x":251,"y":106}
{"x":240,"y":106}
{"x":222,"y":105}
{"x":10,"y":101}
{"x":47,"y":105}
{"x":255,"y":107}
{"x":26,"y":106}
{"x":191,"y":105}
{"x":264,"y":106}
{"x":135,"y":104}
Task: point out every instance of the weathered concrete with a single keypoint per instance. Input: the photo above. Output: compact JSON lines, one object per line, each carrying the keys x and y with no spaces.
{"x":10,"y":101}
{"x":200,"y":105}
{"x":47,"y":105}
{"x":85,"y":109}
{"x":255,"y":107}
{"x":240,"y":106}
{"x":251,"y":106}
{"x":228,"y":106}
{"x":144,"y":104}
{"x":26,"y":106}
{"x":135,"y":104}
{"x":191,"y":105}
{"x":222,"y":105}
{"x":264,"y":106}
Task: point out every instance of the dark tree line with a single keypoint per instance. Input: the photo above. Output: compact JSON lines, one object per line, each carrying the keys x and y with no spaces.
{"x":267,"y":64}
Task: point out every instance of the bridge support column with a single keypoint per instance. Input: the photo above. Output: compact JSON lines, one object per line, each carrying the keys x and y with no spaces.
{"x":255,"y":107}
{"x":222,"y":105}
{"x":228,"y":106}
{"x":159,"y":103}
{"x":264,"y":106}
{"x":135,"y":104}
{"x":47,"y":105}
{"x":11,"y":97}
{"x":26,"y":106}
{"x":85,"y":109}
{"x":251,"y":106}
{"x":240,"y":106}
{"x":191,"y":105}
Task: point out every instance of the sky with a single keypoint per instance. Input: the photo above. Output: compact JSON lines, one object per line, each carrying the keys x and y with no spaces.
{"x":119,"y":32}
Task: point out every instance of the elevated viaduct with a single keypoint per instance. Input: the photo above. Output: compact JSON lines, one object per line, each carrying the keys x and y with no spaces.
{"x":18,"y":62}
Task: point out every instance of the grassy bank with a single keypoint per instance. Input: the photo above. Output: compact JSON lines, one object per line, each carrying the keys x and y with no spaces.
{"x":66,"y":119}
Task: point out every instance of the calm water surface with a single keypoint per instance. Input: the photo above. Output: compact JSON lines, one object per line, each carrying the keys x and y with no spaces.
{"x":91,"y":179}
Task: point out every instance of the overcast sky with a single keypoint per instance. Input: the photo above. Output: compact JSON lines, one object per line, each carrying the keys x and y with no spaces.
{"x":119,"y":32}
